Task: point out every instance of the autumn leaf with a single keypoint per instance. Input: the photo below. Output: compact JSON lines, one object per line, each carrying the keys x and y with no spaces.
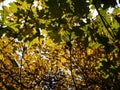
{"x":59,"y":45}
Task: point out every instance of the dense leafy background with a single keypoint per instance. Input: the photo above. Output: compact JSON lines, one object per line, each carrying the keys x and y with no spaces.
{"x":59,"y":44}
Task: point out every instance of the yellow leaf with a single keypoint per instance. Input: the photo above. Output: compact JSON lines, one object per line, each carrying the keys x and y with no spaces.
{"x":1,"y":56}
{"x":60,"y":65}
{"x":33,"y":42}
{"x":89,"y":51}
{"x":74,"y":73}
{"x":48,"y":41}
{"x":54,"y":62}
{"x":63,"y":60}
{"x":44,"y":32}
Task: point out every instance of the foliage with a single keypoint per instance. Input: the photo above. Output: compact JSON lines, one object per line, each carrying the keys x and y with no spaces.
{"x":59,"y":44}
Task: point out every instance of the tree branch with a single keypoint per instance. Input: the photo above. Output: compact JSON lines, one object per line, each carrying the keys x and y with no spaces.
{"x":70,"y":49}
{"x":103,"y":20}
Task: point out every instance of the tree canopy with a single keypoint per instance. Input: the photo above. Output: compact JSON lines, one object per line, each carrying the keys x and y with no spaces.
{"x":60,"y":45}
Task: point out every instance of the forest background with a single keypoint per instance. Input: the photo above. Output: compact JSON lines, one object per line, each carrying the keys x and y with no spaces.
{"x":60,"y":45}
